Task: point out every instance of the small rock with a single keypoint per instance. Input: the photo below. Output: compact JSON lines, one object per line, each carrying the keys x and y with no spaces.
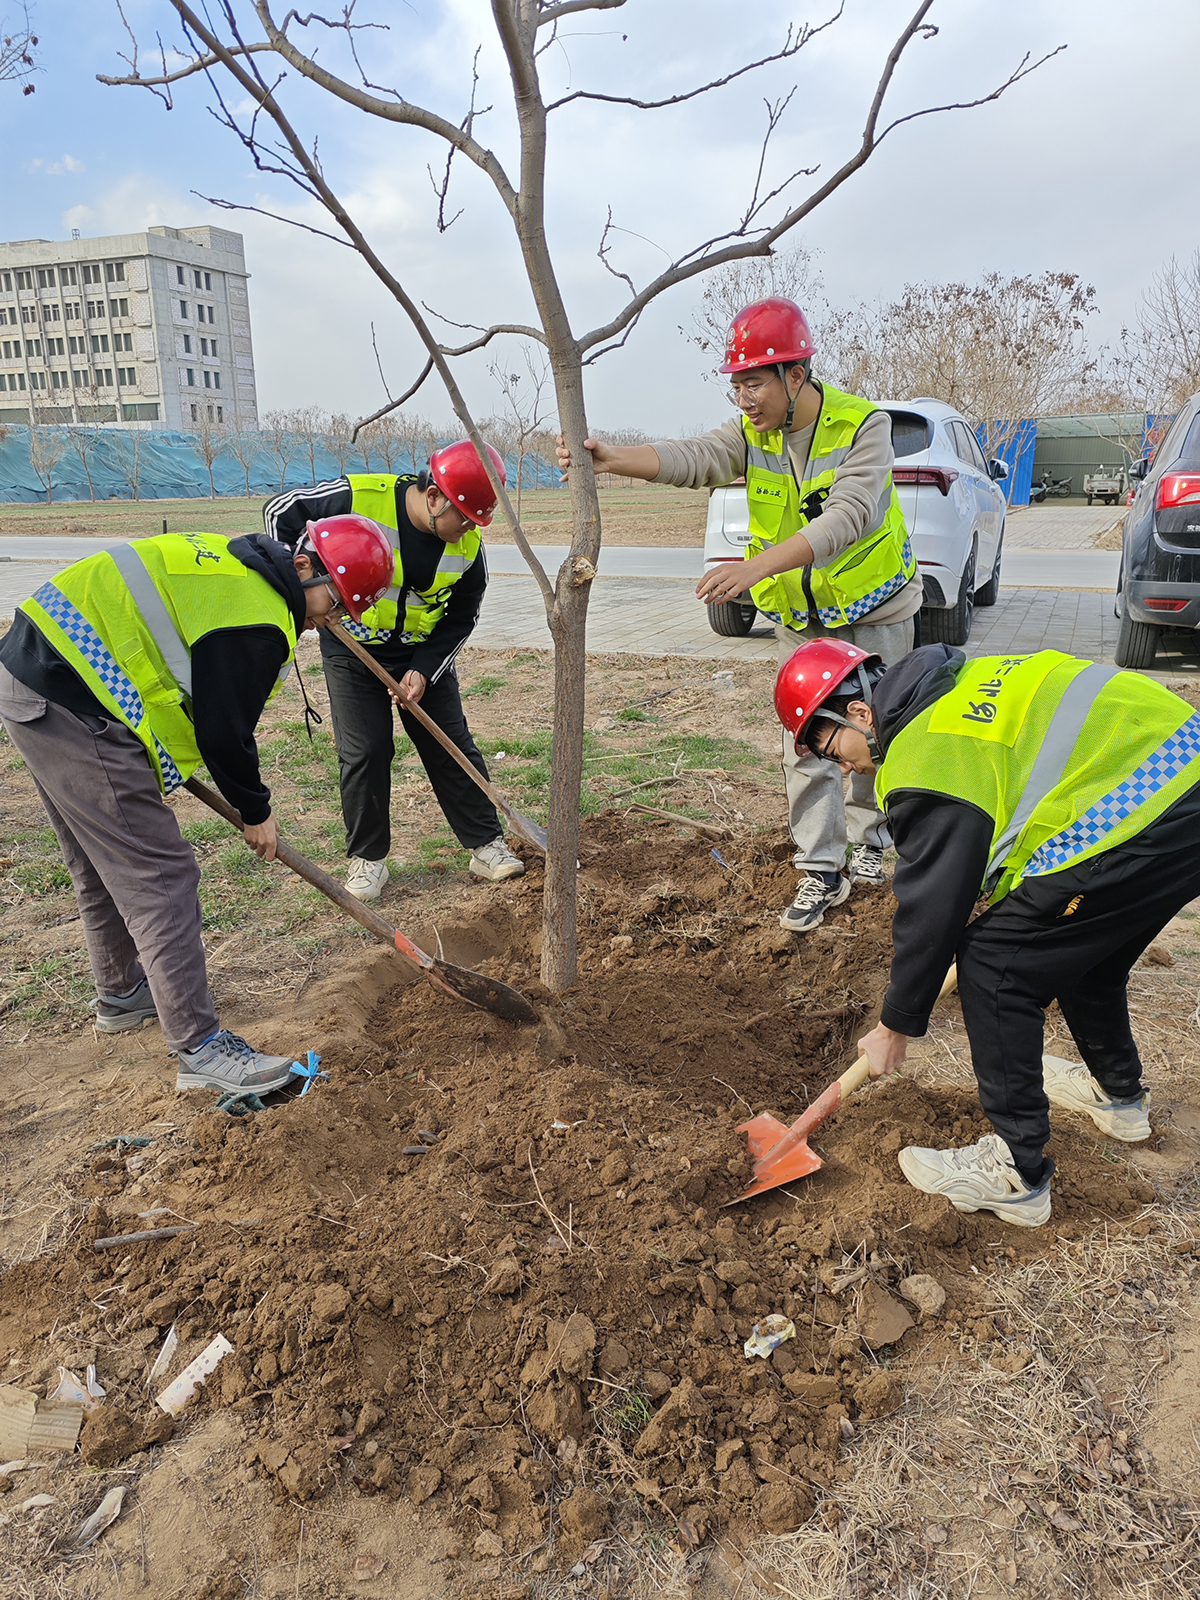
{"x":369,"y":1417}
{"x":935,"y":1533}
{"x":423,"y":1482}
{"x":505,"y":1276}
{"x":878,"y":1394}
{"x":585,"y":1517}
{"x":330,"y":1302}
{"x":571,"y":1345}
{"x":656,"y":1385}
{"x":924,"y":1292}
{"x":614,"y":1170}
{"x":614,"y":1359}
{"x":483,"y":1492}
{"x":881,"y":1318}
{"x":704,"y":1323}
{"x":739,"y":1481}
{"x":735,"y":1272}
{"x":487,"y":1546}
{"x":781,"y":1508}
{"x":556,"y":1413}
{"x":727,"y":1452}
{"x":621,"y":941}
{"x":1159,"y":956}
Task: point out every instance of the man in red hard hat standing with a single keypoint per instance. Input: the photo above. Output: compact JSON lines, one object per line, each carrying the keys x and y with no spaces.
{"x":828,"y":554}
{"x":431,"y":519}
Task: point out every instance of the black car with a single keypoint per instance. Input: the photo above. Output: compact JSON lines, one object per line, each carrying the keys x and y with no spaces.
{"x":1159,"y":582}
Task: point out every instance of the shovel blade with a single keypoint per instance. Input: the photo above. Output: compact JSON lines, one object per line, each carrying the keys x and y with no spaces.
{"x":532,"y":832}
{"x":798,"y":1162}
{"x":489,"y":993}
{"x":763,"y":1133}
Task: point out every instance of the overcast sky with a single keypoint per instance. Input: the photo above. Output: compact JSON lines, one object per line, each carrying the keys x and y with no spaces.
{"x":1088,"y":166}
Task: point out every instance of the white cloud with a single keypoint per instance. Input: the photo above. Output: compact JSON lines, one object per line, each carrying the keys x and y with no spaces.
{"x":57,"y":169}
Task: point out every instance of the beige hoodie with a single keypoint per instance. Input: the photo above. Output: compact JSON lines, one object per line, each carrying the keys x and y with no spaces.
{"x":719,"y":457}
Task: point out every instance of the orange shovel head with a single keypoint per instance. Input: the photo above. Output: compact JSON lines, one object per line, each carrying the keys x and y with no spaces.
{"x":763,"y":1133}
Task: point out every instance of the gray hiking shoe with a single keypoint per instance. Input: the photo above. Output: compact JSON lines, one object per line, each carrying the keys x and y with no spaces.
{"x":1071,"y":1086}
{"x":495,"y":862}
{"x":813,"y":900}
{"x":866,"y":865}
{"x":980,"y":1177}
{"x":116,"y":1012}
{"x":226,"y":1061}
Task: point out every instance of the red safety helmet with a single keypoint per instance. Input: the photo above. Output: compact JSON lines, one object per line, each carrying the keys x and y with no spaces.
{"x":811,"y":674}
{"x":769,"y":333}
{"x":459,"y":474}
{"x":358,"y":558}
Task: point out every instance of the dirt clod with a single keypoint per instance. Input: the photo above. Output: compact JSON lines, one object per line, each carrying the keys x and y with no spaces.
{"x":924,"y":1292}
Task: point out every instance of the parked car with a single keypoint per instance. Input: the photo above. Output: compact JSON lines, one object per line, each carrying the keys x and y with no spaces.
{"x":953,"y":506}
{"x":1158,"y":586}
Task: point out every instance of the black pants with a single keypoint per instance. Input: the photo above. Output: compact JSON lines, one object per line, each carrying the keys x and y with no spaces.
{"x":362,"y":731}
{"x":1071,"y":936}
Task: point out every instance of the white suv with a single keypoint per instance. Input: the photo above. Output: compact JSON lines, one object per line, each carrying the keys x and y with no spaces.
{"x":953,"y":506}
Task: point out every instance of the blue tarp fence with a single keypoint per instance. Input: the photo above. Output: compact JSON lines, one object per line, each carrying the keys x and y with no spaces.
{"x":167,"y":466}
{"x":1016,"y":448}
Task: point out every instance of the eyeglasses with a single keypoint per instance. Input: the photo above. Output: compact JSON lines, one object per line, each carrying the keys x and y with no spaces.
{"x":829,"y":753}
{"x":748,"y":393}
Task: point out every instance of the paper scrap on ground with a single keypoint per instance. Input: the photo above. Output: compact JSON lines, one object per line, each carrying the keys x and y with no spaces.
{"x":769,"y":1334}
{"x":28,"y":1424}
{"x":165,"y":1355}
{"x":105,"y":1514}
{"x":178,"y":1394}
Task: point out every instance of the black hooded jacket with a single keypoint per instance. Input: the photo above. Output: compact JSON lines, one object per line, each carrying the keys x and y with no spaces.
{"x":233,"y":672}
{"x":942,"y":844}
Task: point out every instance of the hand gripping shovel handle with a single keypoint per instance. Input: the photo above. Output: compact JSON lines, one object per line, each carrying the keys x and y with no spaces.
{"x":460,"y":982}
{"x":529,"y":830}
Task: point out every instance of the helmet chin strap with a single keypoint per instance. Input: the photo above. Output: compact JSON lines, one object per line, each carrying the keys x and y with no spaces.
{"x":782,"y":368}
{"x":864,"y":686}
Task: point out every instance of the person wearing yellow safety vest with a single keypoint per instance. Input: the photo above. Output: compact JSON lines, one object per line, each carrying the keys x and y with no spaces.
{"x":117,"y":678}
{"x":1066,"y":792}
{"x":829,"y":553}
{"x":432,"y":521}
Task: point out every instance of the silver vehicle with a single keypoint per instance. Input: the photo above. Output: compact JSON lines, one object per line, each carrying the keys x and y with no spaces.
{"x":953,"y":505}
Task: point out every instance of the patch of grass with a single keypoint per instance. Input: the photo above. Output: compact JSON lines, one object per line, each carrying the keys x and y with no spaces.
{"x":48,"y":987}
{"x":629,"y":1414}
{"x":633,"y":714}
{"x":483,"y":688}
{"x":314,"y":669}
{"x":40,"y":877}
{"x":206,"y":831}
{"x":441,"y":852}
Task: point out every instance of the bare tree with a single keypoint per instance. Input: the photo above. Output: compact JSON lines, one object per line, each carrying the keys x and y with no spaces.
{"x":125,"y":449}
{"x":1155,"y":365}
{"x":309,"y":426}
{"x":209,"y":436}
{"x":340,"y":440}
{"x":47,"y":447}
{"x":17,"y":63}
{"x":791,"y":273}
{"x":280,"y":441}
{"x":388,"y":442}
{"x":245,"y":448}
{"x":81,"y":441}
{"x":253,"y":70}
{"x":526,"y":404}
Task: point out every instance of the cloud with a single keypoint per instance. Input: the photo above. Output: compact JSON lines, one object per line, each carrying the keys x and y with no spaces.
{"x":57,"y":169}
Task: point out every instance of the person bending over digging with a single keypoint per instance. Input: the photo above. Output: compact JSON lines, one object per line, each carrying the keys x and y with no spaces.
{"x":117,"y":679}
{"x":829,"y":553}
{"x":431,"y":520}
{"x":1069,"y":794}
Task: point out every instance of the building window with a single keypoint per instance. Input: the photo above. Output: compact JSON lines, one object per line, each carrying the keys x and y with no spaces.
{"x":28,"y":313}
{"x":33,"y":347}
{"x":37,"y":380}
{"x":104,"y":378}
{"x":183,"y":309}
{"x":210,"y":314}
{"x":24,"y":280}
{"x":95,"y":309}
{"x":77,"y":345}
{"x":68,"y":275}
{"x":71,"y":311}
{"x":91,"y":274}
{"x":54,"y":347}
{"x":7,"y":349}
{"x":187,"y":344}
{"x":114,"y":272}
{"x":199,"y":277}
{"x":216,"y":380}
{"x":191,"y":377}
{"x":220,"y":413}
{"x":208,"y":281}
{"x":49,"y":313}
{"x":195,"y":413}
{"x":208,"y":380}
{"x":16,"y":380}
{"x":99,"y":344}
{"x":204,"y":347}
{"x":127,"y":377}
{"x":118,"y":308}
{"x":140,"y":411}
{"x":7,"y":277}
{"x":81,"y":381}
{"x":179,"y":275}
{"x":123,"y":341}
{"x":4,"y":311}
{"x":58,"y":380}
{"x":45,"y":277}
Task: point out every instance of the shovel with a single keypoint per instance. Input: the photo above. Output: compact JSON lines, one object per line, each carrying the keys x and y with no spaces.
{"x":461,"y":982}
{"x":782,"y":1154}
{"x":533,"y":833}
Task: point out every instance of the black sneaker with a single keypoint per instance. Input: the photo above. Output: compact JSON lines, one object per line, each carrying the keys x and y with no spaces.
{"x":813,"y":899}
{"x":866,"y":865}
{"x":116,"y":1012}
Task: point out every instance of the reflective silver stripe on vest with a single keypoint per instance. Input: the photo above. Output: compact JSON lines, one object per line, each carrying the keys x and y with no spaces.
{"x":155,"y":615}
{"x":450,"y":563}
{"x":827,"y":463}
{"x":1051,"y":760}
{"x":768,"y":462}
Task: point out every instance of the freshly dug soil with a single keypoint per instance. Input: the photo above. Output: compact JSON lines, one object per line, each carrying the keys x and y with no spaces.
{"x":544,"y":1312}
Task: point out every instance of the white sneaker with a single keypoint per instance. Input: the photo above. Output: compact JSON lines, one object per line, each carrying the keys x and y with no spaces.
{"x":1071,"y":1086}
{"x":366,"y":879}
{"x":813,"y":900}
{"x":866,"y":865}
{"x":495,"y":862}
{"x":980,"y":1178}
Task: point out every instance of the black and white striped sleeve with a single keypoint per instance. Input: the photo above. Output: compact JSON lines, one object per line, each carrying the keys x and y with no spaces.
{"x":287,"y":515}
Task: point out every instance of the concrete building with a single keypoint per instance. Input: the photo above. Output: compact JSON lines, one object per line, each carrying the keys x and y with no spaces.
{"x":146,"y":330}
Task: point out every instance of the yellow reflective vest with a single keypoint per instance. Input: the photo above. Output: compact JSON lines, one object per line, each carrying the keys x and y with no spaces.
{"x":125,"y":621}
{"x":1067,"y":757}
{"x":374,"y":496}
{"x":875,"y":567}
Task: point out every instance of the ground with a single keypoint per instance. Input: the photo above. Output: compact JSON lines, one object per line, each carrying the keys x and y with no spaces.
{"x":486,"y":1296}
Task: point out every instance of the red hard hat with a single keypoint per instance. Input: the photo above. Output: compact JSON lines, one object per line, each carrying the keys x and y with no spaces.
{"x":459,"y":474}
{"x":358,"y":558}
{"x":766,"y":333}
{"x":810,"y":675}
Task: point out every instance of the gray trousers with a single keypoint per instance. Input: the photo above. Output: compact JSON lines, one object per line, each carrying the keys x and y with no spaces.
{"x":135,"y":877}
{"x":826,"y":812}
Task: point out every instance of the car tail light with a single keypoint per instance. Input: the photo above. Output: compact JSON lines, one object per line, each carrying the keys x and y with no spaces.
{"x":939,"y":477}
{"x":1177,"y":489}
{"x":1164,"y":605}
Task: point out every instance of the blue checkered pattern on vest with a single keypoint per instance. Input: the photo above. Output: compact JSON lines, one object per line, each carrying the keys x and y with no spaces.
{"x":831,"y":616}
{"x":1154,"y":774}
{"x":97,"y":655}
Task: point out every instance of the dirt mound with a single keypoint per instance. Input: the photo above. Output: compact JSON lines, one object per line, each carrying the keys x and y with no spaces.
{"x":550,"y":1299}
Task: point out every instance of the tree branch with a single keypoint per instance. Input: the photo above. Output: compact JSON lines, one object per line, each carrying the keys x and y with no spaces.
{"x":518,"y":328}
{"x":565,"y":7}
{"x":365,"y":422}
{"x":789,"y":48}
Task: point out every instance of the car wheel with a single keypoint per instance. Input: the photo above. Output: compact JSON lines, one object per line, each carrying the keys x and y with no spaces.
{"x":732,"y":619}
{"x":1137,"y":643}
{"x":990,"y":593}
{"x":952,"y":624}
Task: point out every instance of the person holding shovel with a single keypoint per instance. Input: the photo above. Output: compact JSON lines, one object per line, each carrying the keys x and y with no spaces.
{"x":1066,"y":792}
{"x":431,"y":520}
{"x":829,"y":554}
{"x":117,"y":678}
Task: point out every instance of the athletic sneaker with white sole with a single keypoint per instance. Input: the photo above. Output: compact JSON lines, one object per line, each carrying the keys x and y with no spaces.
{"x":366,"y":879}
{"x":495,"y":862}
{"x":813,"y":899}
{"x":980,"y":1177}
{"x":116,"y":1012}
{"x":227,"y":1061}
{"x":866,"y":865}
{"x":1071,"y":1086}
